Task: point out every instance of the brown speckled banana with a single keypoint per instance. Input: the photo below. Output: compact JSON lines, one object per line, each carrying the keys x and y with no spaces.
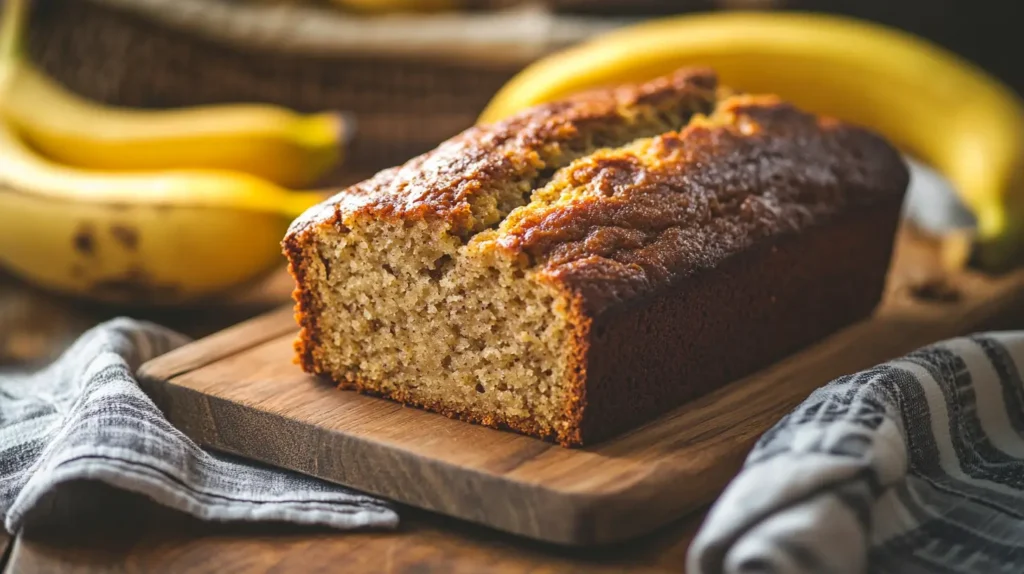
{"x":149,"y":238}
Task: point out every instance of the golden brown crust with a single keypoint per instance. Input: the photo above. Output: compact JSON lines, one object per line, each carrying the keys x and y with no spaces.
{"x":579,"y":352}
{"x":444,"y":182}
{"x":306,"y":308}
{"x":626,"y":222}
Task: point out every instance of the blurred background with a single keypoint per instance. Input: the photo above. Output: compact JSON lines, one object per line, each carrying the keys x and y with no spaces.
{"x":412,"y":73}
{"x":412,"y":79}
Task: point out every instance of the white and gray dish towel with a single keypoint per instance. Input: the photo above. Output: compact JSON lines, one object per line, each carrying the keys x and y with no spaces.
{"x":913,"y":466}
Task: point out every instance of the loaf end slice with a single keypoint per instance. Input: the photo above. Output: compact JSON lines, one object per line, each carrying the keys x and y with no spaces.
{"x":411,"y":314}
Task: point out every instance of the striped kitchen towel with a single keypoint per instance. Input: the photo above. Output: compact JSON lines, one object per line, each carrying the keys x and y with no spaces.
{"x":85,"y":418}
{"x":914,"y":466}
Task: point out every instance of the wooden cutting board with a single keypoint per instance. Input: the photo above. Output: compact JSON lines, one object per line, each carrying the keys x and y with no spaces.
{"x":238,"y":391}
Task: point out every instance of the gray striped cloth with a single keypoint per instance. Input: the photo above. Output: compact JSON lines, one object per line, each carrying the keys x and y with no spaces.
{"x":914,"y":466}
{"x":85,"y":418}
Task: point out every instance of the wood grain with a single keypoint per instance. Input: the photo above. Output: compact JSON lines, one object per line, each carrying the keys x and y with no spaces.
{"x":127,"y":533}
{"x":254,"y":402}
{"x":224,"y":343}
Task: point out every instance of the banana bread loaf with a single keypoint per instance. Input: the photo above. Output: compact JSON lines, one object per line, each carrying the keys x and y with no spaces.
{"x":579,"y":268}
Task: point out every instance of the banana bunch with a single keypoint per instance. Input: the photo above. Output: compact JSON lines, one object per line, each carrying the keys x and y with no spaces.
{"x":164,"y":237}
{"x":144,"y":207}
{"x":930,"y":103}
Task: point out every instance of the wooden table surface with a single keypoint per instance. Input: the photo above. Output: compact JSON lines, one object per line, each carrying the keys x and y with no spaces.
{"x":121,"y":532}
{"x":125,"y":533}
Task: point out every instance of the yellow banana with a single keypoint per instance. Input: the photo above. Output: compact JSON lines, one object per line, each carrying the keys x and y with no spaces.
{"x":163,"y":237}
{"x":265,"y":140}
{"x":929,"y":102}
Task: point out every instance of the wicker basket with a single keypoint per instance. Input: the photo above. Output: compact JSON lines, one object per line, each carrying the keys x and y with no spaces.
{"x":411,"y":81}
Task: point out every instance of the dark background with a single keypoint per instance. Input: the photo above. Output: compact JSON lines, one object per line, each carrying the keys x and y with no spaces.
{"x":987,"y":32}
{"x":406,"y":106}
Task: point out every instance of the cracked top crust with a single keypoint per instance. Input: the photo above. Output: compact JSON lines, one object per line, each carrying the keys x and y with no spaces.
{"x":625,"y":221}
{"x":451,"y":180}
{"x":607,"y":211}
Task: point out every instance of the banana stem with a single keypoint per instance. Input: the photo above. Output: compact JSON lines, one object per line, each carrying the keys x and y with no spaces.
{"x":14,"y":16}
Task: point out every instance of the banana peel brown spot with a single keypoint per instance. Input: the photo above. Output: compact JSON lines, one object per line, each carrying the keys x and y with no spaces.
{"x":934,"y":290}
{"x":84,"y":240}
{"x":125,"y":235}
{"x":135,"y":284}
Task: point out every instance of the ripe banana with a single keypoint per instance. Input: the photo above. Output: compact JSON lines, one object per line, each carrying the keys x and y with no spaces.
{"x":152,"y":238}
{"x":265,"y":140}
{"x":927,"y":101}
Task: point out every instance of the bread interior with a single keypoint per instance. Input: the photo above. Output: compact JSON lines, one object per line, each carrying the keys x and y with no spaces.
{"x":426,"y":315}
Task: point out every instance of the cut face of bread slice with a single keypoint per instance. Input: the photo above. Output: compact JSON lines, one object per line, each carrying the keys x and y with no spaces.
{"x":556,"y":273}
{"x":411,"y":313}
